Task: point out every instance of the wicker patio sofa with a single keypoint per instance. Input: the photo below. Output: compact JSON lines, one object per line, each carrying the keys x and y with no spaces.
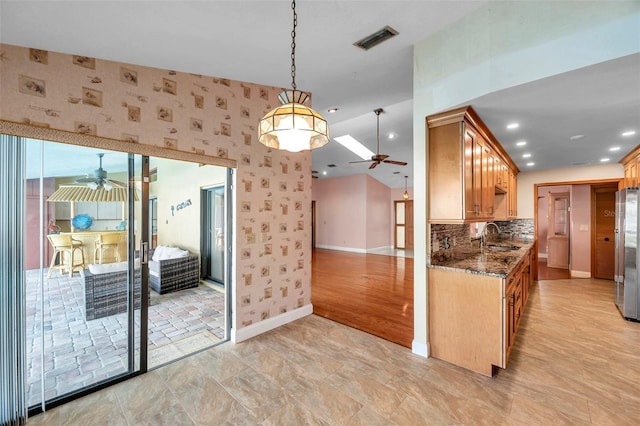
{"x":106,"y":291}
{"x":172,"y":269}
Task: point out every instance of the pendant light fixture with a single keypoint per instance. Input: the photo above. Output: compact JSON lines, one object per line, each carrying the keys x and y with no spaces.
{"x":293,"y":126}
{"x":406,"y":193}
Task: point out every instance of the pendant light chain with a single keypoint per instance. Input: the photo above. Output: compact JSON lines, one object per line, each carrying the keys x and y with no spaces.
{"x":293,"y":45}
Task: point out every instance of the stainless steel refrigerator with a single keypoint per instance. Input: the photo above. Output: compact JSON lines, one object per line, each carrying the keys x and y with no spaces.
{"x":627,"y":260}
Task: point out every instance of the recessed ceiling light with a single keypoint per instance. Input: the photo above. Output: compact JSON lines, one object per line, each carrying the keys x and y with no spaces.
{"x":332,"y":110}
{"x":576,"y":137}
{"x":354,"y":146}
{"x":526,"y":155}
{"x":521,"y":143}
{"x":629,"y":133}
{"x":614,"y":148}
{"x":604,"y":160}
{"x":531,"y":163}
{"x":511,"y":126}
{"x":392,"y":135}
{"x":324,"y":172}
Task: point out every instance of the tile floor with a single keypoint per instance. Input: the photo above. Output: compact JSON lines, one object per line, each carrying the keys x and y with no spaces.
{"x":575,"y":361}
{"x":79,"y":352}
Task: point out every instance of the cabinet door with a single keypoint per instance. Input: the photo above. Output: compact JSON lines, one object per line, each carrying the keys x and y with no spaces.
{"x":488,"y":183}
{"x":471,"y":199}
{"x":509,"y":318}
{"x":512,"y":194}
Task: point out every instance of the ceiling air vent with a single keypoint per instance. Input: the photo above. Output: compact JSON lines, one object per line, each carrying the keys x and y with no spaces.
{"x":376,"y":38}
{"x":331,"y":165}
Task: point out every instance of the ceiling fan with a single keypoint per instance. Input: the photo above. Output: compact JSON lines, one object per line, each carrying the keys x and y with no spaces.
{"x":379,"y":158}
{"x":99,"y":179}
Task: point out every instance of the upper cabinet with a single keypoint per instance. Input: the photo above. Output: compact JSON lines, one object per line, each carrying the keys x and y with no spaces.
{"x":630,"y":164}
{"x":471,"y":178}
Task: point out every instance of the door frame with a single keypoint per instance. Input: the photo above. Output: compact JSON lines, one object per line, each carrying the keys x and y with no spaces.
{"x":553,"y":196}
{"x":21,"y":130}
{"x":592,"y":225}
{"x":618,"y":181}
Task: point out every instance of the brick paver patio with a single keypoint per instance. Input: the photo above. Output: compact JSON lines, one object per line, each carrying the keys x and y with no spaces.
{"x":79,"y":352}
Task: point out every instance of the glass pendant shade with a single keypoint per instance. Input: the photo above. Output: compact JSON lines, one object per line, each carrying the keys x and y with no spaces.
{"x":406,"y":193}
{"x":293,"y":126}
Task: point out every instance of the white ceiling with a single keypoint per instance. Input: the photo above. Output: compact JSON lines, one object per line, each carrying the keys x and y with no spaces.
{"x":250,"y":41}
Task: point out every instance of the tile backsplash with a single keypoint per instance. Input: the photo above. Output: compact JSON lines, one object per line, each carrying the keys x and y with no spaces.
{"x":450,"y":240}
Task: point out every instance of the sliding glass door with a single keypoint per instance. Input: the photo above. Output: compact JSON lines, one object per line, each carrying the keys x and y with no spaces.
{"x":83,"y":277}
{"x":213,"y":237}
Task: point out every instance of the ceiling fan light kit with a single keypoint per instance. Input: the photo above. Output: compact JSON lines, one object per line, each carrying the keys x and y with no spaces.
{"x":99,"y":179}
{"x":293,"y":126}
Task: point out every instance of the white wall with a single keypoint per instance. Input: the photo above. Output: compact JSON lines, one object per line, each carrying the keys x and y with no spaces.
{"x":526,"y":181}
{"x":179,"y":181}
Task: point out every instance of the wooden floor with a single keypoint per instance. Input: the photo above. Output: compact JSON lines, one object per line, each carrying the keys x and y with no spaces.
{"x":546,"y":273}
{"x":370,"y":292}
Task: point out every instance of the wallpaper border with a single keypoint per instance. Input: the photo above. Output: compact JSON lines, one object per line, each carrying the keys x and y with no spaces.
{"x":55,"y":135}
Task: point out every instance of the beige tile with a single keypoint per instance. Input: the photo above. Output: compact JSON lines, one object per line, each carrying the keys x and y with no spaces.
{"x":367,"y":390}
{"x":273,"y":366}
{"x":367,"y":417}
{"x":146,"y":400}
{"x":526,"y":410}
{"x":261,"y":396}
{"x":323,"y":400}
{"x":50,"y":417}
{"x":420,"y":412}
{"x":291,"y":413}
{"x":86,"y":410}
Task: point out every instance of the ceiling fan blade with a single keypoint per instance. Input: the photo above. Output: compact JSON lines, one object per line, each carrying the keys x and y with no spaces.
{"x":373,"y":166}
{"x":86,"y":180}
{"x":397,"y":163}
{"x":116,"y":182}
{"x":361,"y":161}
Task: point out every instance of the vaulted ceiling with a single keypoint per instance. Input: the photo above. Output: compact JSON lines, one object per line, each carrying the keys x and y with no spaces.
{"x":250,"y":41}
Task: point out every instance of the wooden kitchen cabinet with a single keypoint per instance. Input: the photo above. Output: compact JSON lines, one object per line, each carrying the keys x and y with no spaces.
{"x":630,"y":164}
{"x":474,"y":318}
{"x":467,"y":168}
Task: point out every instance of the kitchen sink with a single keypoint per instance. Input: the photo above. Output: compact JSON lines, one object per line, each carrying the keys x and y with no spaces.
{"x":502,"y":248}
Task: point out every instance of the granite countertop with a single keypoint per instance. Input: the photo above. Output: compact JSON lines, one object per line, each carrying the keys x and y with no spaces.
{"x":494,"y":261}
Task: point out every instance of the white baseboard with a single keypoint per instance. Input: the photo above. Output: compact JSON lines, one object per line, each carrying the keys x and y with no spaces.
{"x":580,"y":274}
{"x":420,"y":348}
{"x":258,"y":328}
{"x":352,"y":249}
{"x":380,"y":248}
{"x":542,"y":255}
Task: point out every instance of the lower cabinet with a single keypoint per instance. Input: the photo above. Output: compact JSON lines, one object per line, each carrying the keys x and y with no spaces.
{"x":473,"y":318}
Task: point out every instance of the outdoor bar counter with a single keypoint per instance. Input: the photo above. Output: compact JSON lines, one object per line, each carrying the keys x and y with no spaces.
{"x":88,"y":239}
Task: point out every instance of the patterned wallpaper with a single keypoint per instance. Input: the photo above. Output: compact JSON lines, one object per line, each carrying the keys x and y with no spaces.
{"x":178,"y":111}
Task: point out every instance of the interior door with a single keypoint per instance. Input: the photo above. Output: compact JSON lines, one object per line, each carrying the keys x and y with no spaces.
{"x":400,"y":231}
{"x":603,"y":258}
{"x":408,"y":233}
{"x":558,"y":231}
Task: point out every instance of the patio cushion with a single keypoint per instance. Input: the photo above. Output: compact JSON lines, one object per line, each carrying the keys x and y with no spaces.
{"x":166,"y":252}
{"x":111,"y":267}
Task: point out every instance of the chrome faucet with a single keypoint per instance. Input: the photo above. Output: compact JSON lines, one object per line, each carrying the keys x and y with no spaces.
{"x":483,"y":235}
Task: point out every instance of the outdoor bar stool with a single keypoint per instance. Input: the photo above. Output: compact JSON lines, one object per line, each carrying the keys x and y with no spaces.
{"x":104,"y":243}
{"x":65,"y":245}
